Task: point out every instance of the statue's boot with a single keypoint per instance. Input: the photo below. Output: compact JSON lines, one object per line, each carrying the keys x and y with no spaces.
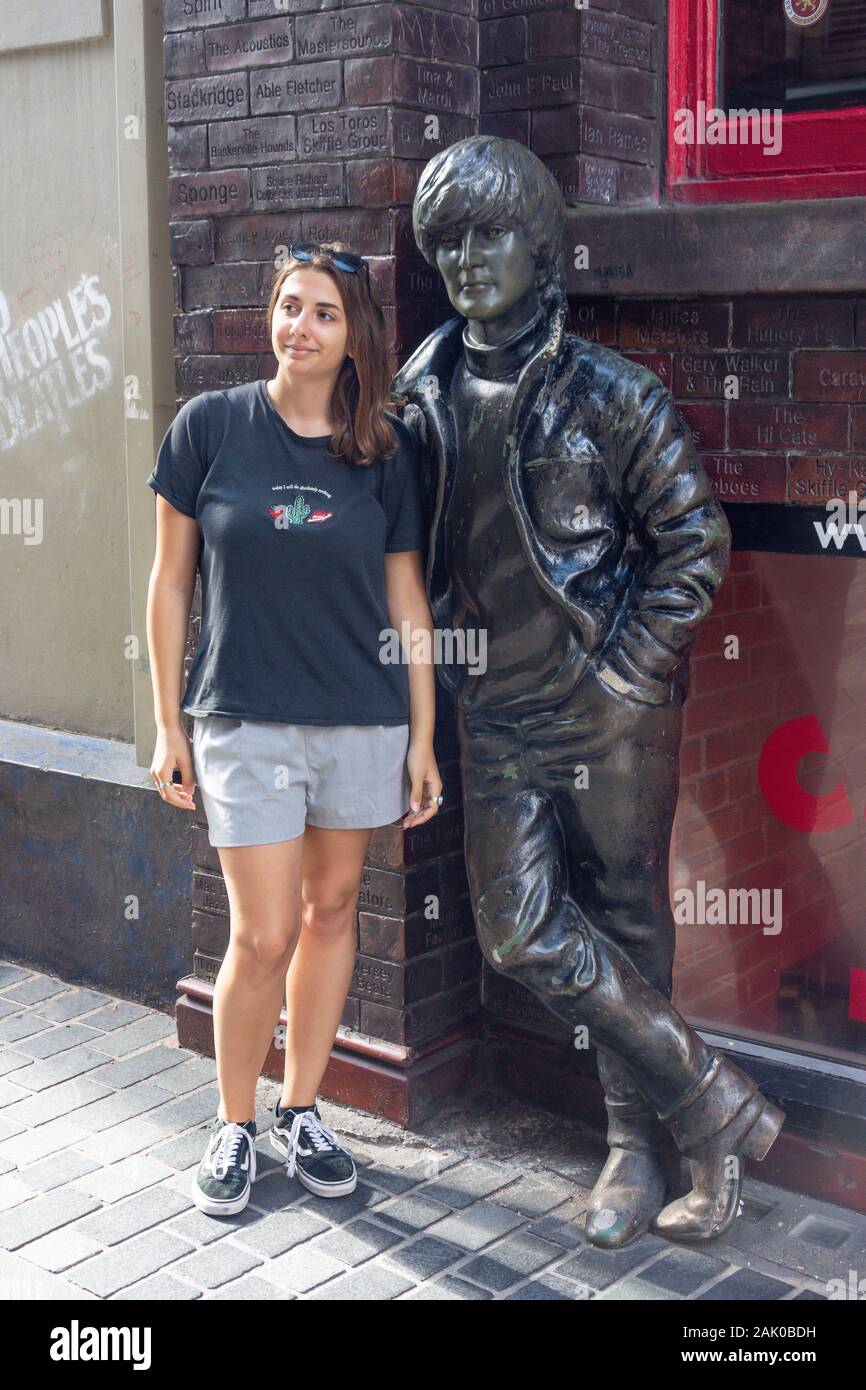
{"x":713,"y":1110}
{"x":642,"y":1169}
{"x":724,"y":1120}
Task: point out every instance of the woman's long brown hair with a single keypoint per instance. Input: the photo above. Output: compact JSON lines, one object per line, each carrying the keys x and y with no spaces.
{"x":360,"y":432}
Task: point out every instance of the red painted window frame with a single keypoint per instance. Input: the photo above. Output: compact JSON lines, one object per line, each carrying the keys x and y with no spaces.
{"x":823,"y":153}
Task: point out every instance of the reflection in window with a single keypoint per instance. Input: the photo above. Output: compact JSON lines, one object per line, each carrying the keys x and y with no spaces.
{"x":767,"y":61}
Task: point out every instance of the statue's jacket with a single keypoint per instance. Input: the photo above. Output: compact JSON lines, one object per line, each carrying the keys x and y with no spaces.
{"x":614,"y":509}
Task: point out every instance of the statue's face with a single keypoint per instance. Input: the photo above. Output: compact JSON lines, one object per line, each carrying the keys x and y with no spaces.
{"x":487,"y":268}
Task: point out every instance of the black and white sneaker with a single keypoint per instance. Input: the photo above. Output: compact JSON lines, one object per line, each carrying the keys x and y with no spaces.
{"x":226,"y":1173}
{"x":311,"y":1151}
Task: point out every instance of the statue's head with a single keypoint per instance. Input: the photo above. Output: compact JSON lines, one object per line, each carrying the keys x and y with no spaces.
{"x":491,"y":218}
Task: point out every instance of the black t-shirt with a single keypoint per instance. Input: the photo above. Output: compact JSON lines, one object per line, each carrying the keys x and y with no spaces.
{"x":291,"y":561}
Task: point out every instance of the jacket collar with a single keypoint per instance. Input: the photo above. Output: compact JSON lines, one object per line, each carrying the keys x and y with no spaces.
{"x":426,"y":376}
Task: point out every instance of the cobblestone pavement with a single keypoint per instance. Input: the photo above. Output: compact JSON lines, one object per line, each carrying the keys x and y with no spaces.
{"x":102,"y":1125}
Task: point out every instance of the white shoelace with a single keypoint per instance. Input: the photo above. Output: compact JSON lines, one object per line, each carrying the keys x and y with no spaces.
{"x":320,"y":1136}
{"x":223,"y":1149}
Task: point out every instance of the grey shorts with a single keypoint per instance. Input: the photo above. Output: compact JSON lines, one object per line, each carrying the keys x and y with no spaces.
{"x":262,"y":782}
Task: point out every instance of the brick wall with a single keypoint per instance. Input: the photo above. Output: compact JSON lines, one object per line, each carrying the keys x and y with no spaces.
{"x":580,"y":87}
{"x":300,"y":120}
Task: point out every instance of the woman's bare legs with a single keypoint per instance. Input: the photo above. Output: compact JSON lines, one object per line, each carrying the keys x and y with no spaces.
{"x":321,"y":968}
{"x":264,"y":891}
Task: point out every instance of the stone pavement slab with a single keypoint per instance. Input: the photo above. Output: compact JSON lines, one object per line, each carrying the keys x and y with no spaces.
{"x":103,"y":1123}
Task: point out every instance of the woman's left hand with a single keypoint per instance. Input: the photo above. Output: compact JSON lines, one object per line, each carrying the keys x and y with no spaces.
{"x":426,"y":783}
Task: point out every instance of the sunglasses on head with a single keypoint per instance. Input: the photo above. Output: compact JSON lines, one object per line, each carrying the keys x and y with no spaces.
{"x":343,"y":260}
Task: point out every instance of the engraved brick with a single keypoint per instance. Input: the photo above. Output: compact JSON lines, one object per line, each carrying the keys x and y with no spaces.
{"x":495,"y":9}
{"x":381,"y":182}
{"x":583,"y":179}
{"x":787,"y":426}
{"x":407,"y":325}
{"x":347,"y":33}
{"x":240,"y":330}
{"x":639,"y":183}
{"x":209,"y":893}
{"x":441,"y":835}
{"x":193,"y":333}
{"x":746,"y":477}
{"x":616,"y":137}
{"x":392,"y":938}
{"x":815,"y":480}
{"x":207,"y":98}
{"x":659,"y":363}
{"x":703,"y":374}
{"x":210,"y":933}
{"x":220,"y":286}
{"x":205,"y":967}
{"x":860,"y":328}
{"x":389,"y":893}
{"x":551,"y":83}
{"x":256,"y":140}
{"x":419,"y":1021}
{"x":425,"y":33}
{"x":264,"y":9}
{"x":187,"y":14}
{"x":394,"y":983}
{"x":598,"y":84}
{"x":616,"y":39}
{"x":647,"y":10}
{"x":360,"y":130}
{"x":299,"y":185}
{"x":798,"y":323}
{"x":554,"y":34}
{"x":462,"y":963}
{"x":468,"y":8}
{"x":858,"y":428}
{"x":299,"y":88}
{"x":506,"y":999}
{"x":593,"y":320}
{"x":192,"y":242}
{"x":706,"y":422}
{"x":830,"y":376}
{"x":420,"y":135}
{"x":509,"y":125}
{"x":503,"y":41}
{"x":248,"y":45}
{"x":187,"y":147}
{"x":435,"y":87}
{"x":365,"y":230}
{"x":196,"y":374}
{"x":662,"y":324}
{"x":254,"y":239}
{"x":183,"y":54}
{"x":635,"y":91}
{"x":556,"y":131}
{"x":189,"y":195}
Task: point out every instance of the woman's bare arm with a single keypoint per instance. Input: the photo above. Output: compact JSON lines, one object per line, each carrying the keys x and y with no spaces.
{"x":169,"y":596}
{"x":407,"y":602}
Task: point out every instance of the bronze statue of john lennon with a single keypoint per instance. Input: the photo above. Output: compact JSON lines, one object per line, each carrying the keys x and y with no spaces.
{"x":573,"y":525}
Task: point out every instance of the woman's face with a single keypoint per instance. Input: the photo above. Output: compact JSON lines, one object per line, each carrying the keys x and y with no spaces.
{"x":309,"y":331}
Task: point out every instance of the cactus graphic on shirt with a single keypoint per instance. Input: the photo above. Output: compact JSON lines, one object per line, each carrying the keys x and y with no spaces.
{"x":296,"y":514}
{"x":298,"y":510}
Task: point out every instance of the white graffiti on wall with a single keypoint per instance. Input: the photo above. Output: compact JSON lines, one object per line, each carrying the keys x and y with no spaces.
{"x":53,"y":362}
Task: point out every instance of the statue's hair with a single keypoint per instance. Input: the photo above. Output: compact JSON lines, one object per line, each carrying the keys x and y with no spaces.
{"x":487,"y":178}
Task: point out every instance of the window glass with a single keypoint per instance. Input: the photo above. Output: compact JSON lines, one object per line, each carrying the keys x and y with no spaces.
{"x":769,"y":59}
{"x":769,"y":856}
